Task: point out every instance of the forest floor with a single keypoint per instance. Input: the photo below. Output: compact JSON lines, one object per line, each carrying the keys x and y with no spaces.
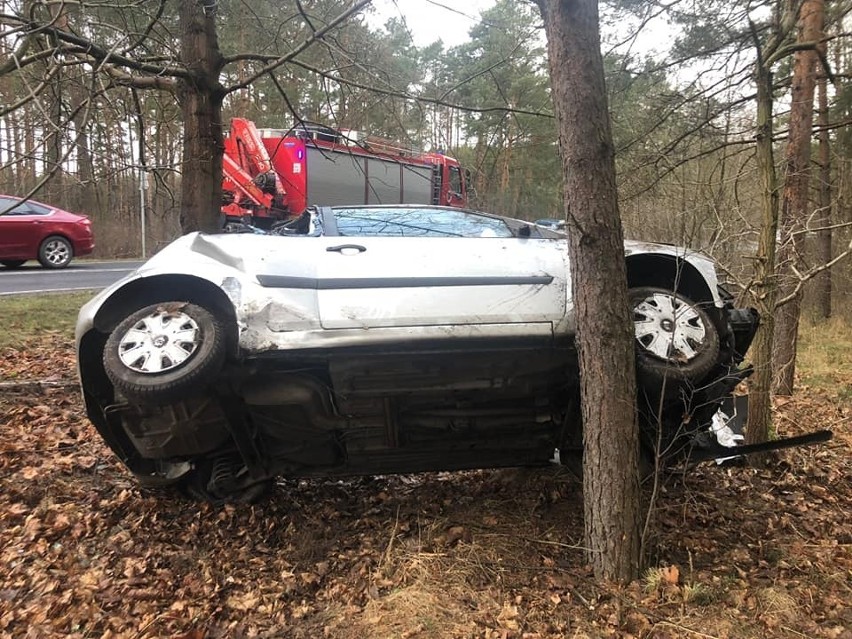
{"x":737,"y":552}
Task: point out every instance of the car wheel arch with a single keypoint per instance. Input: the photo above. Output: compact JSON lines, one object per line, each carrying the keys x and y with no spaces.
{"x":646,"y":271}
{"x":668,"y":271}
{"x":168,"y":288}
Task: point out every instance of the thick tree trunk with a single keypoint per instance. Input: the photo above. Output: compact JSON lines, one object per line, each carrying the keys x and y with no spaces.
{"x":599,"y":282}
{"x":824,"y":237}
{"x":200,"y":100}
{"x":86,"y":199}
{"x":765,"y":286}
{"x":795,"y":207}
{"x":53,"y":133}
{"x":29,"y":129}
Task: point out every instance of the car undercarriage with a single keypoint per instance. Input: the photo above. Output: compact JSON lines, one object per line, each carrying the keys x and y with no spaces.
{"x":471,"y":404}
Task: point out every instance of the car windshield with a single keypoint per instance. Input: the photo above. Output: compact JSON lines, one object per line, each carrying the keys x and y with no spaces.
{"x":416,"y":222}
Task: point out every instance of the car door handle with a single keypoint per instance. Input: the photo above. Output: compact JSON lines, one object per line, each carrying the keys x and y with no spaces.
{"x":342,"y":247}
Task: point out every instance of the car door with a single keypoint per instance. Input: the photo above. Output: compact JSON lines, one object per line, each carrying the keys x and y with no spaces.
{"x":286,"y":269}
{"x":454,"y":271}
{"x":18,"y":228}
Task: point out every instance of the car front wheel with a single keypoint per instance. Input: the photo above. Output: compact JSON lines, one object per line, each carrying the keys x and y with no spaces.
{"x":55,"y":252}
{"x":165,"y":351}
{"x":676,"y":339}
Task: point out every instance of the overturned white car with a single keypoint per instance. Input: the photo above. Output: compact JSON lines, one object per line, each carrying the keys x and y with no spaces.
{"x":367,"y":340}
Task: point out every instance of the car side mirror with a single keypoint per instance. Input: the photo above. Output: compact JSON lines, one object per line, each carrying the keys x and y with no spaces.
{"x":524,"y":231}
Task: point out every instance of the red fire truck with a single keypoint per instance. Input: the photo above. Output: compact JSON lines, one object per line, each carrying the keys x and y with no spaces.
{"x":272,"y":175}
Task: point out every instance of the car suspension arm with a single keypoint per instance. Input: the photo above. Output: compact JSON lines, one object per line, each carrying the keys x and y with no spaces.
{"x":243,"y":433}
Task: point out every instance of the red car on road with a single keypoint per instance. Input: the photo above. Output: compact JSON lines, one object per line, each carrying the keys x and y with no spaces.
{"x":31,"y":230}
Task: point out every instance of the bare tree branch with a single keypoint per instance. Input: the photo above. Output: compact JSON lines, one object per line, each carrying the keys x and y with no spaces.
{"x":83,"y":47}
{"x":809,"y":275}
{"x":32,"y":93}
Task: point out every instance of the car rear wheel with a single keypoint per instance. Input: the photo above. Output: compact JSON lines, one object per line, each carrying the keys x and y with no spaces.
{"x":12,"y":263}
{"x":55,"y":252}
{"x":676,"y":339}
{"x":165,"y":351}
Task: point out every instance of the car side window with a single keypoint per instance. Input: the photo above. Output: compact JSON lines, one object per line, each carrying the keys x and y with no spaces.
{"x":37,"y":209}
{"x":6,"y":204}
{"x":414,"y":222}
{"x":12,"y":206}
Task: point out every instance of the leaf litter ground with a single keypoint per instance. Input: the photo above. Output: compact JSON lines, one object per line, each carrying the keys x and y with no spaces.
{"x":739,"y":552}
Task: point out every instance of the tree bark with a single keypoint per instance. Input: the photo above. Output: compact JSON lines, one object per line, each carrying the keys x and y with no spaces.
{"x":599,"y":288}
{"x":200,"y":99}
{"x":53,"y":133}
{"x":824,"y":237}
{"x":795,"y":200}
{"x":765,"y":287}
{"x":86,"y":195}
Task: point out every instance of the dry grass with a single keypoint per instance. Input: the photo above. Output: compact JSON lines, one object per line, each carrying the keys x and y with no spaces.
{"x":825,"y":355}
{"x":425,"y":609}
{"x":776,"y":605}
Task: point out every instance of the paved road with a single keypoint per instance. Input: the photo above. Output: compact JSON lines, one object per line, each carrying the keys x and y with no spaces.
{"x":80,"y":275}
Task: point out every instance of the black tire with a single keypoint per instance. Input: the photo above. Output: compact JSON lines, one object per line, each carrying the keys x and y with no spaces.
{"x":55,"y":252}
{"x":12,"y":263}
{"x":165,"y":351}
{"x":658,"y":314}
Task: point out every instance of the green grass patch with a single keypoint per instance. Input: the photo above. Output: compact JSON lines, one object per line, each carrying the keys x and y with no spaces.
{"x":824,"y":355}
{"x":27,"y":317}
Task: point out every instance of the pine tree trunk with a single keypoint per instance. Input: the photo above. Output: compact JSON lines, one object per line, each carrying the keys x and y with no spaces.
{"x":765,"y":287}
{"x":55,"y":131}
{"x":824,"y":237}
{"x":28,"y":174}
{"x":200,"y":99}
{"x":599,"y":282}
{"x":795,"y":207}
{"x":86,"y":199}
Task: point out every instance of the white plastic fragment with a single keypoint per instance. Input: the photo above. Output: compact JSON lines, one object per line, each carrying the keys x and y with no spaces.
{"x":724,"y":434}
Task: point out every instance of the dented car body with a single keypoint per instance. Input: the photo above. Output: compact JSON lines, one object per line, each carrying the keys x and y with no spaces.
{"x":370,"y":340}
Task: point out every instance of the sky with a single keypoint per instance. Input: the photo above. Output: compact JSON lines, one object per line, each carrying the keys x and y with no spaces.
{"x":450,"y":21}
{"x":430,"y":20}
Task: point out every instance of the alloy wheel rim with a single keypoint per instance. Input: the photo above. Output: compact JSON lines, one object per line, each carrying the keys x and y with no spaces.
{"x":669,"y":328}
{"x":56,"y":252}
{"x":159,"y":342}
